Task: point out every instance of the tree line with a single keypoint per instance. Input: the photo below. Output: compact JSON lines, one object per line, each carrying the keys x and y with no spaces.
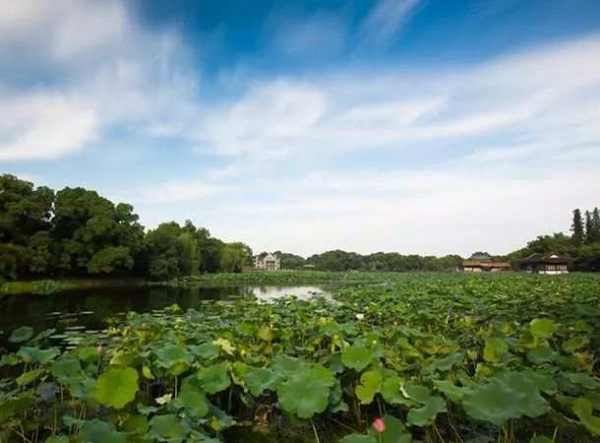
{"x":582,"y":246}
{"x":338,"y":260}
{"x":77,"y":232}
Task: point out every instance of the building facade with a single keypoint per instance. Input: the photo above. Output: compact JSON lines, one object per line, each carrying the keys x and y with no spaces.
{"x":546,"y":264}
{"x":482,"y":262}
{"x":267,"y":262}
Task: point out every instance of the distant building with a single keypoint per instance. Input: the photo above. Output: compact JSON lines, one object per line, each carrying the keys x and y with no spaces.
{"x":267,"y":262}
{"x":484,"y":262}
{"x":546,"y":264}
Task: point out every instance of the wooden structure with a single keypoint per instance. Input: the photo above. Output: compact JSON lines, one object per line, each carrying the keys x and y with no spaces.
{"x":267,"y":262}
{"x":546,"y":264}
{"x":482,"y":262}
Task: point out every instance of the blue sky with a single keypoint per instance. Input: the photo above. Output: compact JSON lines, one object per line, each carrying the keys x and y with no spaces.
{"x":418,"y":126}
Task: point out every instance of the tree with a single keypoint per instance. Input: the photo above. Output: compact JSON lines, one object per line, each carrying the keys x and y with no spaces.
{"x":111,"y":259}
{"x":589,"y":228}
{"x":595,"y":226}
{"x":577,"y":228}
{"x":235,"y":256}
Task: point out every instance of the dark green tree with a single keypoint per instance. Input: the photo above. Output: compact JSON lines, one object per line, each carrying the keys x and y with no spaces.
{"x":577,"y":228}
{"x":589,"y":228}
{"x":595,"y":226}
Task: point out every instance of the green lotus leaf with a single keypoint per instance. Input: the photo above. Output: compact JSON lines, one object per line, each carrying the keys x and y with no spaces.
{"x":417,"y":392}
{"x":116,"y":387}
{"x":541,"y":439}
{"x":97,"y":431}
{"x":452,"y":392}
{"x":395,"y":431}
{"x":37,"y":355}
{"x":259,"y":380}
{"x":506,"y":396}
{"x":87,"y":353}
{"x":426,"y":414}
{"x":370,"y":384}
{"x":391,"y":390}
{"x":214,"y":378}
{"x":358,"y":438}
{"x":285,"y":366}
{"x":29,"y":376}
{"x":21,"y":334}
{"x":193,"y":398}
{"x":173,"y":357}
{"x":543,"y":380}
{"x":66,"y":369}
{"x":169,"y":428}
{"x":14,"y":406}
{"x":357,"y":356}
{"x":206,"y":351}
{"x":306,"y":392}
{"x":494,"y":349}
{"x":583,"y":380}
{"x":542,"y":328}
{"x":447,"y":363}
{"x":57,"y":439}
{"x":136,"y":424}
{"x":583,"y":409}
{"x":575,"y":343}
{"x":9,"y":360}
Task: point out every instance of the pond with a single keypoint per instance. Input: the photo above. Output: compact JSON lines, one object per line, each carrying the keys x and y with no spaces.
{"x":89,"y":308}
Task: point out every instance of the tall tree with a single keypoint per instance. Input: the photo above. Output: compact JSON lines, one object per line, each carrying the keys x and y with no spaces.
{"x":577,"y":228}
{"x":589,"y":228}
{"x":595,"y":225}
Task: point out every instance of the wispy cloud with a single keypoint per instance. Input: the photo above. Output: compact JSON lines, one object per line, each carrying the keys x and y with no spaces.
{"x":112,"y":73}
{"x":386,"y":20}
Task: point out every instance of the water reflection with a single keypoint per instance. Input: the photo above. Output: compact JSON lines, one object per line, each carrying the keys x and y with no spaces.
{"x":90,"y":308}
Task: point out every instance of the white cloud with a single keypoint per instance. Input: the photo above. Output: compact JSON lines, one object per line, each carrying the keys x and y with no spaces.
{"x":514,"y":146}
{"x":112,"y":73}
{"x":44,"y":126}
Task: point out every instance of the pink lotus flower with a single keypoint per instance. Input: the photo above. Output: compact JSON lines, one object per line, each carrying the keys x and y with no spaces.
{"x":379,"y":425}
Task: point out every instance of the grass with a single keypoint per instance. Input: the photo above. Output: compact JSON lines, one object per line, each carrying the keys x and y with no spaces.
{"x":50,"y":286}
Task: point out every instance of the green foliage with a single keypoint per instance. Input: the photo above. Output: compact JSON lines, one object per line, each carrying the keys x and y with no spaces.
{"x":499,"y":358}
{"x":306,"y":391}
{"x":21,"y":334}
{"x":358,"y":356}
{"x":116,"y":387}
{"x":110,"y":260}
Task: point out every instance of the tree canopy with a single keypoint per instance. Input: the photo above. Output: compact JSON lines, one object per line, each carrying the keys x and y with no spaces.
{"x":77,"y":232}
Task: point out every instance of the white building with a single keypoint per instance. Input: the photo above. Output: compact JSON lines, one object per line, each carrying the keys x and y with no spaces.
{"x":267,"y":262}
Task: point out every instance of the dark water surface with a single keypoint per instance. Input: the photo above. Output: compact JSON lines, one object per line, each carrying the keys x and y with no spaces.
{"x":89,"y":308}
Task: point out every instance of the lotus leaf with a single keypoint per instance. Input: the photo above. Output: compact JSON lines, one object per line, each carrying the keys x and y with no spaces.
{"x":169,"y":428}
{"x":116,"y":387}
{"x":358,"y":438}
{"x":506,"y":396}
{"x":21,"y":334}
{"x":260,"y":379}
{"x":494,"y":349}
{"x":194,"y":399}
{"x":542,"y":328}
{"x":357,"y":356}
{"x":426,"y":414}
{"x":306,"y":392}
{"x":97,"y":431}
{"x":370,"y":384}
{"x":583,"y":409}
{"x":214,"y":378}
{"x":37,"y":355}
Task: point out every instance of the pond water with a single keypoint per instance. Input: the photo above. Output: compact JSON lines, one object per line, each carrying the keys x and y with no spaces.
{"x":89,"y":308}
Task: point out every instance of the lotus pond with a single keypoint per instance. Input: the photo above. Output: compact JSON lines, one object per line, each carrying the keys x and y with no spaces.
{"x":396,"y":358}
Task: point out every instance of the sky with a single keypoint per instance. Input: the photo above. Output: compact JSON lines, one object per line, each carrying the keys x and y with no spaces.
{"x":416,"y":126}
